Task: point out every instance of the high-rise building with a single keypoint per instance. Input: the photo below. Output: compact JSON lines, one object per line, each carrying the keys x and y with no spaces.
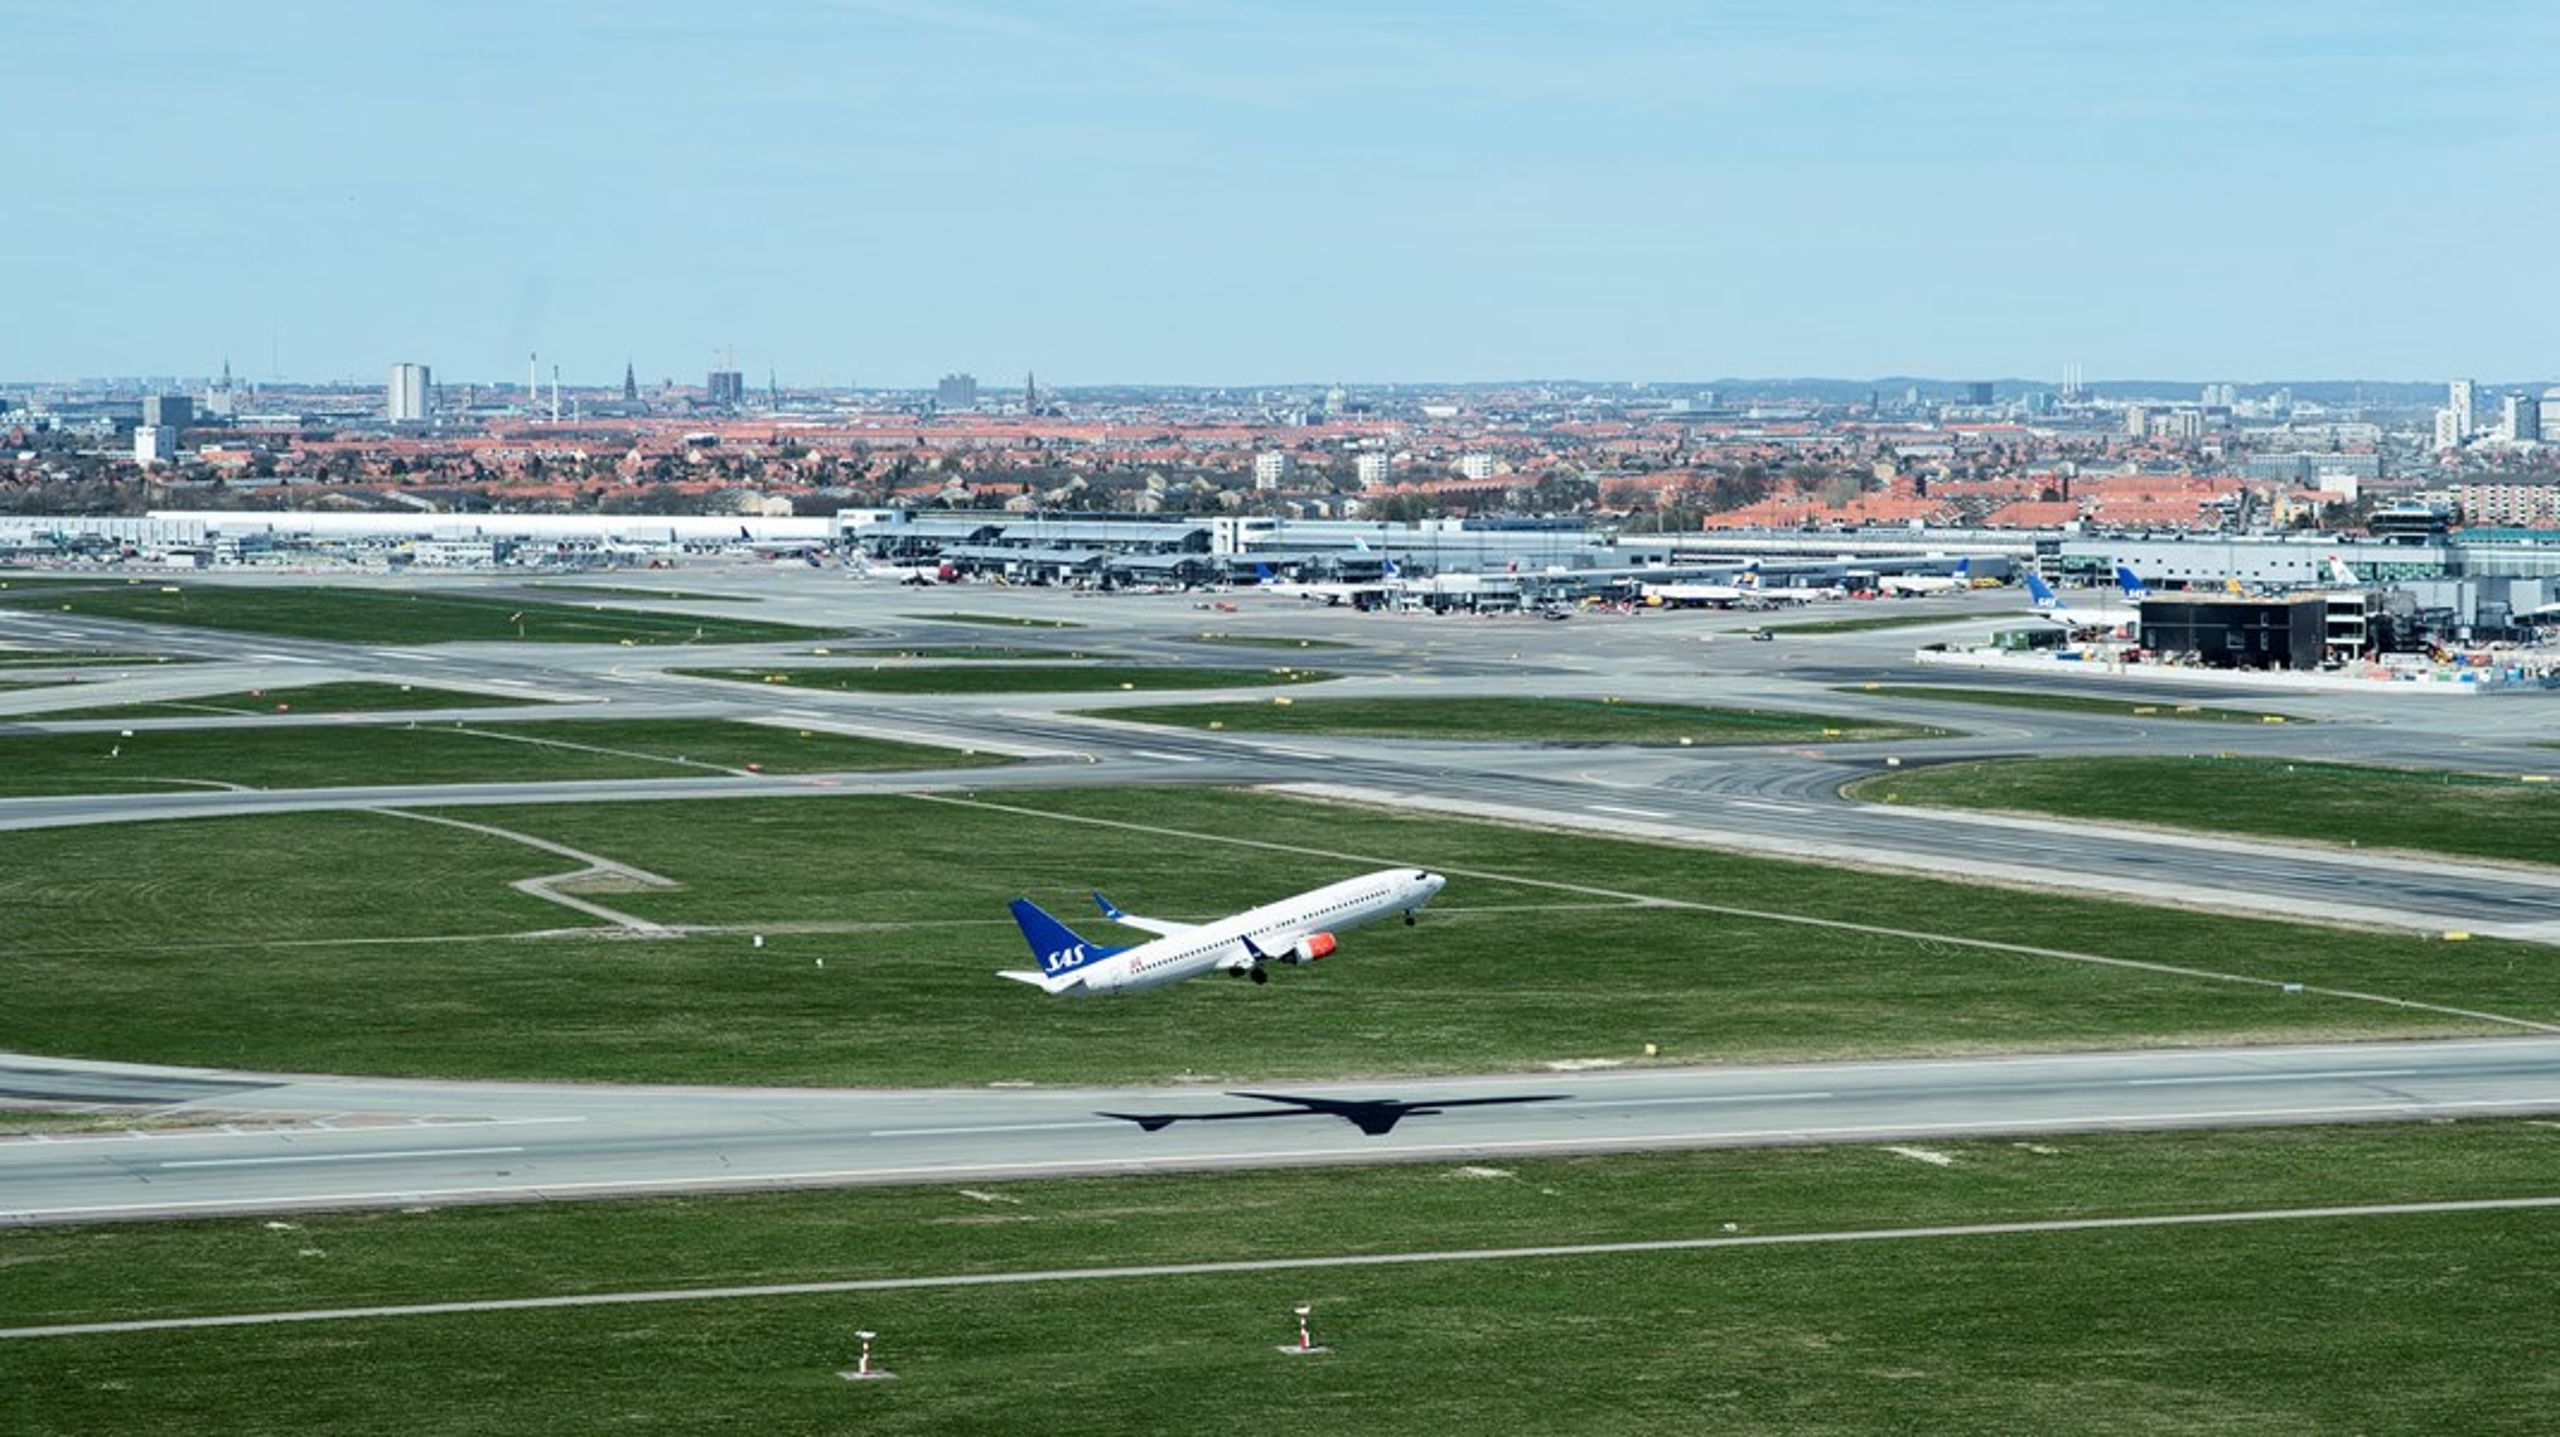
{"x":408,"y":394}
{"x":2463,"y":403}
{"x":1371,"y":469}
{"x":1475,"y":466}
{"x":154,"y":444}
{"x":172,"y":412}
{"x":1978,"y":393}
{"x":956,"y":391}
{"x":2519,"y":418}
{"x":2137,"y":421}
{"x":1270,"y":469}
{"x":2451,"y":428}
{"x":726,"y":388}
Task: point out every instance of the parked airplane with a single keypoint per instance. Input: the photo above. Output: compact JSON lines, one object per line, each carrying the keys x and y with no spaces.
{"x":1680,"y":595}
{"x":2341,"y":575}
{"x":903,"y":573}
{"x":1911,"y":585}
{"x":1330,"y":592}
{"x":1761,"y":589}
{"x":2049,"y":605}
{"x":1295,"y":930}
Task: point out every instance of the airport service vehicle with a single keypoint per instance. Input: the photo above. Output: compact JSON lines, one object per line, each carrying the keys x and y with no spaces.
{"x":1910,"y":585}
{"x":1296,"y":930}
{"x":2049,"y":605}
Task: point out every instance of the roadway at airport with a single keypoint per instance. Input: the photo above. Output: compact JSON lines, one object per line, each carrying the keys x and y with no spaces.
{"x":314,"y":1142}
{"x":361,"y":1142}
{"x":1779,"y":801}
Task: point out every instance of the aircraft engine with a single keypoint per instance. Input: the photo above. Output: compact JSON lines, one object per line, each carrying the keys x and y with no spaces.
{"x":1311,"y":948}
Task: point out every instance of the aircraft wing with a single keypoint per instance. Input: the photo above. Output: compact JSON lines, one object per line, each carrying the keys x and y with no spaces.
{"x":1163,"y":928}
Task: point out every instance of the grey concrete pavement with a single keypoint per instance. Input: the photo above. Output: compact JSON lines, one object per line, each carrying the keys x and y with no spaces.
{"x":400,"y":1143}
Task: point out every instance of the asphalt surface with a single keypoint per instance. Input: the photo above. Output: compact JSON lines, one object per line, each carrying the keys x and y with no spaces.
{"x":1781,"y":800}
{"x":349,"y":1142}
{"x":418,"y":1142}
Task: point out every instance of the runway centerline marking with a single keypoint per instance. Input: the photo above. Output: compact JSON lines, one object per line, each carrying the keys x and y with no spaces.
{"x":1214,"y":1161}
{"x":2208,"y":1078}
{"x":991,"y":1128}
{"x":373,"y":1157}
{"x":1815,"y":1238}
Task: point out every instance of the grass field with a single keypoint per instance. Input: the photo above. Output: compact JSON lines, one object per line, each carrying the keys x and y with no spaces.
{"x":80,"y":659}
{"x":1524,"y":720}
{"x":131,"y":945}
{"x":998,"y":678}
{"x":2476,"y":815}
{"x":1004,"y":621}
{"x":1863,"y":623}
{"x":351,"y":697}
{"x":2073,"y":703}
{"x":955,"y":651}
{"x":382,"y":616}
{"x":2422,"y":1323}
{"x":326,"y":756}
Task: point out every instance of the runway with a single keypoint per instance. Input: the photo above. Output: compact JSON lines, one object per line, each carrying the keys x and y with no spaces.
{"x":347,"y":1142}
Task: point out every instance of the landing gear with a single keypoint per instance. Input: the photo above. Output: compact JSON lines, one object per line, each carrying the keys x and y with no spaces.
{"x":1259,"y":976}
{"x":1408,"y":918}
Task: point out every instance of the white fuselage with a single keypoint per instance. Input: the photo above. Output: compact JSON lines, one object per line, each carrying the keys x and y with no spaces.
{"x":1275,"y":930}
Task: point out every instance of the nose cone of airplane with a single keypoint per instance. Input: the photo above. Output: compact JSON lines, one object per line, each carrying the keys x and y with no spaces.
{"x":1431,"y":883}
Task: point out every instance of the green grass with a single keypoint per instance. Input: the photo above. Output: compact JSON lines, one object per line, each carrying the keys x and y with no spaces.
{"x":385,"y":616}
{"x":993,"y":678}
{"x":1866,"y":622}
{"x":351,"y":697}
{"x":327,"y":756}
{"x":955,"y":651}
{"x":2435,"y":811}
{"x":14,"y":579}
{"x":2074,"y":703}
{"x":133,"y":942}
{"x":1009,"y":621}
{"x":1523,"y":720}
{"x":80,"y":659}
{"x":2421,"y":1323}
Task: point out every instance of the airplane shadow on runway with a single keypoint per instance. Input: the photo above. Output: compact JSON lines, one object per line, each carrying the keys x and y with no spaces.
{"x":1374,"y":1116}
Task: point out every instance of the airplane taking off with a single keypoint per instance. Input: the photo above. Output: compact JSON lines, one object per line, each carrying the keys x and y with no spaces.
{"x":1295,"y":930}
{"x":2049,"y":605}
{"x":1914,"y":584}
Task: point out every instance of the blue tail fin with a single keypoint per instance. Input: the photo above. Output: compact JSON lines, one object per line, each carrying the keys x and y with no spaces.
{"x":1387,"y":566}
{"x":2038,"y":590}
{"x":1964,"y":568}
{"x":1262,"y":574}
{"x":2130,"y":582}
{"x":1054,"y":943}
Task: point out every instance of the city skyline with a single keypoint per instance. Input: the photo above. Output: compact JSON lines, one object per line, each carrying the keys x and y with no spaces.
{"x":877,"y":193}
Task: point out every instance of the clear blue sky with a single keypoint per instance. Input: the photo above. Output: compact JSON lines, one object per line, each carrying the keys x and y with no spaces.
{"x":1220,"y":192}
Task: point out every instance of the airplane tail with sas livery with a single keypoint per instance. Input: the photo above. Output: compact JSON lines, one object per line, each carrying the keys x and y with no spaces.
{"x":1063,"y":956}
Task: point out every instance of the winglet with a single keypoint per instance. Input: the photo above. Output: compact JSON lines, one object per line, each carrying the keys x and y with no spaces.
{"x":1109,"y":909}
